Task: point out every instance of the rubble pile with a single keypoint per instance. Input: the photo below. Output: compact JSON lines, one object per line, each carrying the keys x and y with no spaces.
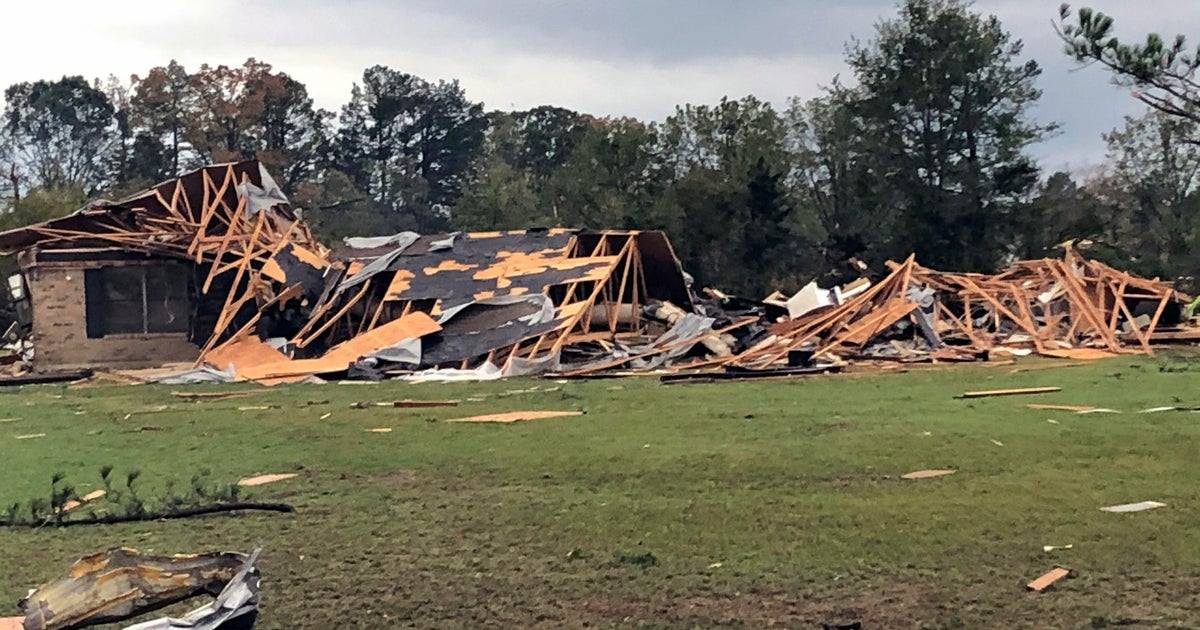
{"x":1069,"y":307}
{"x":213,"y":276}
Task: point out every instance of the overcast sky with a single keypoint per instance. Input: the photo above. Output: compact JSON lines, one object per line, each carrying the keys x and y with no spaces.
{"x":606,"y":57}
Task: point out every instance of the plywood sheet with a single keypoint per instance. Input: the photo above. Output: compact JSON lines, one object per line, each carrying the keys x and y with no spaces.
{"x":339,"y":357}
{"x":244,"y":354}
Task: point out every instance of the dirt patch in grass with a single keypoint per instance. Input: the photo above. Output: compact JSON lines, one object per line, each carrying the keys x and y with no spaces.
{"x":889,"y":607}
{"x":402,"y":480}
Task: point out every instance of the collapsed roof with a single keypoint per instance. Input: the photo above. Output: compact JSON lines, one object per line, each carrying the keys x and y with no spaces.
{"x":273,"y":302}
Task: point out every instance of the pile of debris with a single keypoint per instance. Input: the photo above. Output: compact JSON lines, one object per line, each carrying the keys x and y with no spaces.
{"x":1068,"y":308}
{"x":215,"y":276}
{"x":120,"y":584}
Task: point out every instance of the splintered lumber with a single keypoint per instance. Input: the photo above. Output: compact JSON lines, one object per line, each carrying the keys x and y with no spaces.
{"x":515,"y":416}
{"x":1044,"y":582}
{"x":1141,"y":506}
{"x":1010,"y":392}
{"x":416,"y":404}
{"x":264,"y":479}
{"x":215,"y":395}
{"x":925,"y":474}
{"x":1075,"y":408}
{"x":122,"y":583}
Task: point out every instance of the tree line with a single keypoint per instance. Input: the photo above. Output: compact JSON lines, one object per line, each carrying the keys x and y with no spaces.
{"x":925,"y":151}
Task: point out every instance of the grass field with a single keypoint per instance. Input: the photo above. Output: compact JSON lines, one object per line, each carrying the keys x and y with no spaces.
{"x":743,"y":505}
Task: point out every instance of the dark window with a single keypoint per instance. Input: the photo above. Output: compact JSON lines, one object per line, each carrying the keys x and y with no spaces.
{"x":136,"y":300}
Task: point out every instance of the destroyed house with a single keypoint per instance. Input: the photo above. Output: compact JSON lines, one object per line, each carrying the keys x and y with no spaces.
{"x":215,"y":268}
{"x":143,"y":281}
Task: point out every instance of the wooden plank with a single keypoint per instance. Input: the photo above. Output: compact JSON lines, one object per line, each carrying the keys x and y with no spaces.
{"x":1010,"y":392}
{"x":1044,"y":582}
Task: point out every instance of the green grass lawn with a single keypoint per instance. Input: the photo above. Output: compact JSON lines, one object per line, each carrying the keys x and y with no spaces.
{"x":744,"y":504}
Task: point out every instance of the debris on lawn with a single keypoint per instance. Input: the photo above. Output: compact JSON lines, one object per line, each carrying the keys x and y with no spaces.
{"x":91,"y":496}
{"x":406,"y":404}
{"x":380,"y":430}
{"x":1096,"y":410}
{"x":236,"y":606}
{"x":1075,"y":408}
{"x":264,"y":479}
{"x":271,"y":304}
{"x":1010,"y":392}
{"x":1133,"y":507}
{"x":1044,"y":582}
{"x":997,"y":442}
{"x":1170,"y":408}
{"x":1049,"y":548}
{"x":30,"y":436}
{"x":122,"y":583}
{"x":216,"y":395}
{"x":925,"y":474}
{"x":516,"y":416}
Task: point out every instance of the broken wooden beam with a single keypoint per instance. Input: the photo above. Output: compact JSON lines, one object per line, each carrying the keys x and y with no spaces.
{"x":1009,"y":392}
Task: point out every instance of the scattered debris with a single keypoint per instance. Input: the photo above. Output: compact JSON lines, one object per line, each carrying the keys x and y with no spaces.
{"x":39,"y":378}
{"x":31,"y":436}
{"x":122,"y":583}
{"x":326,"y":415}
{"x":925,"y":474}
{"x":1010,"y":392}
{"x":236,"y":606}
{"x":406,"y":404}
{"x":1050,"y":548}
{"x":380,"y":430}
{"x":1052,"y":421}
{"x":216,"y":395}
{"x":1075,"y":408}
{"x":515,"y":416}
{"x":1044,"y":582}
{"x":91,"y":496}
{"x":1133,"y":507}
{"x":1096,"y":410}
{"x":264,"y":479}
{"x":997,"y":442}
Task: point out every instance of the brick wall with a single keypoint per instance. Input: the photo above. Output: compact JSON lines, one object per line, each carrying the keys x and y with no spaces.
{"x":60,"y":327}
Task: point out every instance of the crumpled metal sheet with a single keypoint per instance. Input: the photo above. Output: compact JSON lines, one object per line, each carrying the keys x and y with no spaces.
{"x":121,"y":583}
{"x":236,"y":605}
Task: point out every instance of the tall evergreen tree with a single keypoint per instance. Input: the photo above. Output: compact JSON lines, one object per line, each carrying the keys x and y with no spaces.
{"x":945,"y":99}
